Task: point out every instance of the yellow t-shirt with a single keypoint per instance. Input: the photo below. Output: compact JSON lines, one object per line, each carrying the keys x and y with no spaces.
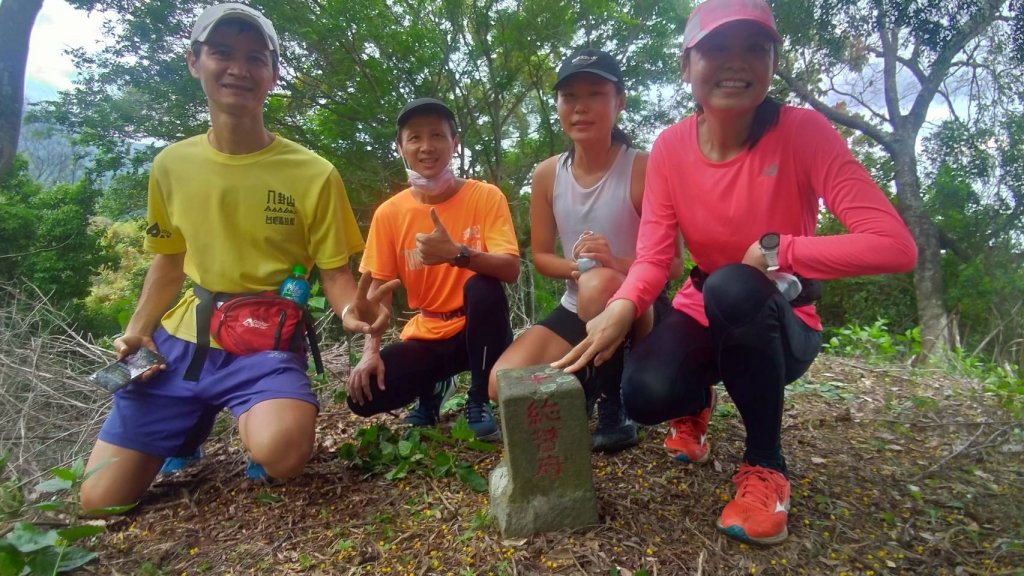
{"x":243,"y":221}
{"x":477,"y":216}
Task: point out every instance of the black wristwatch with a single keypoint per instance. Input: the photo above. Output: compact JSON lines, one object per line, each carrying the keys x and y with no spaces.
{"x":461,"y":259}
{"x":769,"y":244}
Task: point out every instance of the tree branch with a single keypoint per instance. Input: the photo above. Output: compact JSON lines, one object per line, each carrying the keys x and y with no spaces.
{"x":859,"y":100}
{"x":890,"y":49}
{"x":843,"y":118}
{"x":987,"y":13}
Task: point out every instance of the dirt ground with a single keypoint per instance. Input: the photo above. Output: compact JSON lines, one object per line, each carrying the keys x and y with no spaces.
{"x":894,"y":471}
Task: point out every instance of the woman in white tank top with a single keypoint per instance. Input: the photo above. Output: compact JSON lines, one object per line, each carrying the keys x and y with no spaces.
{"x":589,"y":198}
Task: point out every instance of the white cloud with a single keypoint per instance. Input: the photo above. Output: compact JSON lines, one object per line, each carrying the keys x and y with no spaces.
{"x":58,"y":27}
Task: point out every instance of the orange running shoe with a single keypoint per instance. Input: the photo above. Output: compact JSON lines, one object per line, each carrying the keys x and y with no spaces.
{"x":760,"y":510}
{"x":687,"y":439}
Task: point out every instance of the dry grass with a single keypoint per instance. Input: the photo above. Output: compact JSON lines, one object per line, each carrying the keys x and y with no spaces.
{"x":49,"y":414}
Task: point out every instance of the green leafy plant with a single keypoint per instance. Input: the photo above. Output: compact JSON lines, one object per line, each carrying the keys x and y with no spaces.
{"x":873,"y":341}
{"x":27,"y":548}
{"x":380,"y":450}
{"x":1004,"y":381}
{"x":831,"y":390}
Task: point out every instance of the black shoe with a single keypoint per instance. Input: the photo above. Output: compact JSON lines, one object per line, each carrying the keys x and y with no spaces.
{"x":428,"y":408}
{"x":614,"y":431}
{"x":481,"y":420}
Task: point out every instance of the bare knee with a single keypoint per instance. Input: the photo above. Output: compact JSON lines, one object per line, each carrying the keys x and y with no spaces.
{"x":94,"y":500}
{"x":92,"y":497}
{"x":282,"y":454}
{"x":596,"y":287}
{"x":280,"y":436}
{"x":492,"y":381}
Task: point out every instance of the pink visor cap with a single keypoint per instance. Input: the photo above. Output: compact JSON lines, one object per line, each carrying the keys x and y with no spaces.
{"x":709,"y":15}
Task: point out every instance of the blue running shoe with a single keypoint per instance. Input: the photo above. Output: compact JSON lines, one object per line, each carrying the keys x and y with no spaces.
{"x":255,"y":472}
{"x":179,"y":463}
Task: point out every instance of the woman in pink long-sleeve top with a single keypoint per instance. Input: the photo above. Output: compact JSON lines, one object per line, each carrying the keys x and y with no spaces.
{"x":743,"y":179}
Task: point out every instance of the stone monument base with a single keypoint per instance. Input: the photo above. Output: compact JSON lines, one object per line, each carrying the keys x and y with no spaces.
{"x":545,"y":480}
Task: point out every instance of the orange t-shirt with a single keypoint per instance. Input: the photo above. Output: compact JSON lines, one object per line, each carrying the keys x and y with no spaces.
{"x":477,"y":216}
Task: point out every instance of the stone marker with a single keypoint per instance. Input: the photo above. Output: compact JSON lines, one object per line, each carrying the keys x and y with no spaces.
{"x":545,"y":480}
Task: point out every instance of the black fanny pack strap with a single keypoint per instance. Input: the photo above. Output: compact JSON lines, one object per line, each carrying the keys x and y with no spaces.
{"x":809,"y":295}
{"x":204,"y":312}
{"x":314,"y":344}
{"x":697,"y":278}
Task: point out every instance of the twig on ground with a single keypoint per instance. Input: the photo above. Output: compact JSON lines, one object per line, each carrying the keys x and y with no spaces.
{"x":948,"y":457}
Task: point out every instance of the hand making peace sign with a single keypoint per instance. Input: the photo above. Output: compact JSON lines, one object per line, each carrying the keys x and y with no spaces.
{"x":367,"y":314}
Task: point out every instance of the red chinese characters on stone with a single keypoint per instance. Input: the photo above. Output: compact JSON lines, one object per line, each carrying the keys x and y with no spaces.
{"x":543,"y":420}
{"x":549,"y":466}
{"x":546,"y":413}
{"x":545,"y":439}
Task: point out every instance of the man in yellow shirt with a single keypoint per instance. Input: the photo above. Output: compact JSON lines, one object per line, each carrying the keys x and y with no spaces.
{"x":234,"y":210}
{"x":451,"y":243}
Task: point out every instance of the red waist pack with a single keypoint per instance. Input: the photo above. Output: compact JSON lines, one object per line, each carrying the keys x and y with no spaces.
{"x":249,"y":323}
{"x":258,"y":322}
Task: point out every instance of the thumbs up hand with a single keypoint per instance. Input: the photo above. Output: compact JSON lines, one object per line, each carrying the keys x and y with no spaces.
{"x":436,"y":247}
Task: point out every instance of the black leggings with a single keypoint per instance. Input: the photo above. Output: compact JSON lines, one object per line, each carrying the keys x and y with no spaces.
{"x":413,"y":367}
{"x":754,"y":344}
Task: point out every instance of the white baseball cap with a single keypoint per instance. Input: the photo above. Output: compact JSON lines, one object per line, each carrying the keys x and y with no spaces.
{"x":214,"y":14}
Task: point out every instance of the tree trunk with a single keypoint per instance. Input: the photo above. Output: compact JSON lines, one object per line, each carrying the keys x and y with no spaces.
{"x":928,"y":280}
{"x":16,"y":20}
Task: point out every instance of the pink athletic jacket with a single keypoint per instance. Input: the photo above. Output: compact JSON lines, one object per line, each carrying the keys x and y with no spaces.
{"x":798,"y":166}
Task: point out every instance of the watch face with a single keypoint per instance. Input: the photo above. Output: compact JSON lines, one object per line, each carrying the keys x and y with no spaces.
{"x":770,"y":241}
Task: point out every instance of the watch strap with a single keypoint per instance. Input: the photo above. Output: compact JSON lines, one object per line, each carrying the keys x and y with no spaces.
{"x":461,"y":260}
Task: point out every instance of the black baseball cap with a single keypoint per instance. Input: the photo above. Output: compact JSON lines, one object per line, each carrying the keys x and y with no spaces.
{"x":589,"y":60}
{"x":421,"y":105}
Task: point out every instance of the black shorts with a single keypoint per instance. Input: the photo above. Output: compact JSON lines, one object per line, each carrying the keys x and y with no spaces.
{"x":569,"y":327}
{"x":566,"y":324}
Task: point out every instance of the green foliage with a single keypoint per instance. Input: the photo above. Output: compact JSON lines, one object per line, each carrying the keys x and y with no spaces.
{"x":124,"y":198}
{"x":976,"y":191}
{"x":874,"y":341}
{"x":862,"y":300}
{"x":547,"y":293}
{"x":115,"y":288}
{"x":45,"y":235}
{"x":379,"y":450}
{"x":1005,"y":381}
{"x":28,"y":549}
{"x":346,"y":73}
{"x":877,"y":68}
{"x":832,"y":390}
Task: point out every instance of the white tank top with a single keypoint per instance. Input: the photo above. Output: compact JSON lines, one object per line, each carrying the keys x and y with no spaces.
{"x":606,"y":209}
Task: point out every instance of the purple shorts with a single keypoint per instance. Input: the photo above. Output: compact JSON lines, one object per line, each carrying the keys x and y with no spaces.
{"x":169,"y":416}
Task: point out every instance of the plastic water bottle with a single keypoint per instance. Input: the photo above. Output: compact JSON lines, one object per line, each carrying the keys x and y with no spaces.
{"x":295,"y":287}
{"x":584,"y":264}
{"x":788,"y":284}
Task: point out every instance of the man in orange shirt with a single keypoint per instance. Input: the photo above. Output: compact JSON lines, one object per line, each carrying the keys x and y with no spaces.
{"x":451,"y":242}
